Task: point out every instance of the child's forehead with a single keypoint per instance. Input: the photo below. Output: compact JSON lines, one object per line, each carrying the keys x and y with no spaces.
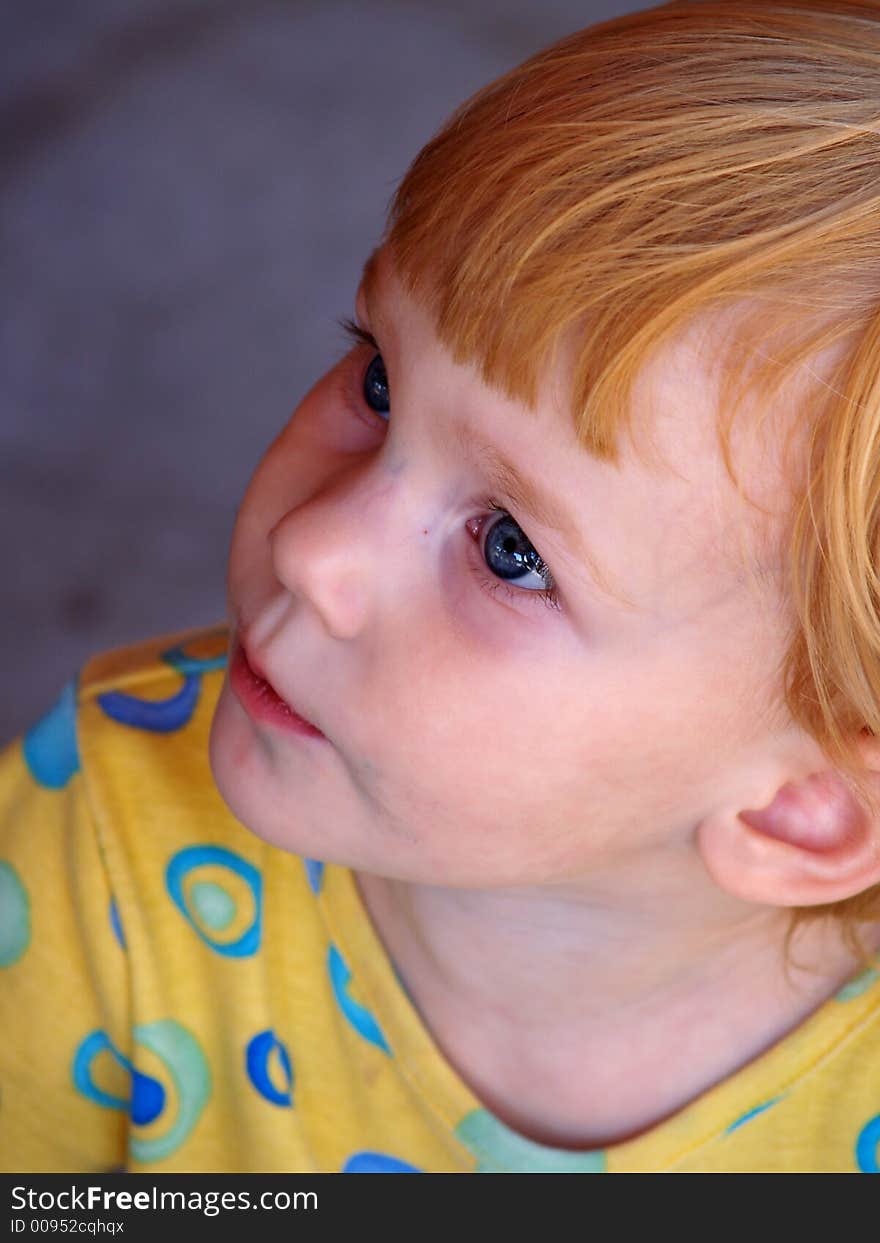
{"x":706,"y":375}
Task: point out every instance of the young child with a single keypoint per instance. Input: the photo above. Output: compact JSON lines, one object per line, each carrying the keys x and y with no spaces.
{"x":553,"y":678}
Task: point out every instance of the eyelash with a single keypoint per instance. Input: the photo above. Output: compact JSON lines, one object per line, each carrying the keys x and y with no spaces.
{"x":550,"y":596}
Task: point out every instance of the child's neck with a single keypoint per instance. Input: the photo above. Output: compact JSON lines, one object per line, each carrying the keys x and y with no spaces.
{"x":581,"y":1023}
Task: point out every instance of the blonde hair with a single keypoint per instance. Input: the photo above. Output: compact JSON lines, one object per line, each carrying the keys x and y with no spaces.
{"x":652,"y":168}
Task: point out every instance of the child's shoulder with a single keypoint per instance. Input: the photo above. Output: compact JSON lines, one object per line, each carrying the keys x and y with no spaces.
{"x":153,"y":698}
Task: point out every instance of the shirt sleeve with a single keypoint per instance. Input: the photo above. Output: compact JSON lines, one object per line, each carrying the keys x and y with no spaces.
{"x":65,"y":1074}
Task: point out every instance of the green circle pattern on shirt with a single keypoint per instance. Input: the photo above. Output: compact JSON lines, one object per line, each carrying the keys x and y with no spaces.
{"x":213,"y":905}
{"x":860,"y":984}
{"x":188,"y":1068}
{"x":501,"y":1151}
{"x":15,"y":916}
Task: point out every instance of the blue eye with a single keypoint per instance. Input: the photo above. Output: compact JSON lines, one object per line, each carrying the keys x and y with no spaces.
{"x":375,"y":386}
{"x":511,"y":555}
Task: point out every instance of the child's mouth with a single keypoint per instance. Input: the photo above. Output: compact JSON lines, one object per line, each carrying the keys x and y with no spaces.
{"x":260,"y":699}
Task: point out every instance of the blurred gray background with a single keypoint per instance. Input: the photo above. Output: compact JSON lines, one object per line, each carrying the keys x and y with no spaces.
{"x":189,"y":189}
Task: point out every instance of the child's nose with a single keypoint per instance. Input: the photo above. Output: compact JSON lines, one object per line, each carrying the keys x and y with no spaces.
{"x":335,"y":551}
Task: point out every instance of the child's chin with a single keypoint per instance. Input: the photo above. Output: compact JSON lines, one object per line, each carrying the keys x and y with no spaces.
{"x":231,"y":754}
{"x":244,"y":775}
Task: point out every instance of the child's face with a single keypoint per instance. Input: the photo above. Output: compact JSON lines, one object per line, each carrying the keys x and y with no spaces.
{"x":473,"y":735}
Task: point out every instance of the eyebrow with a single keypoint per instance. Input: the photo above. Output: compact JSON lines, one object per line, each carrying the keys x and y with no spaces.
{"x":525,"y":494}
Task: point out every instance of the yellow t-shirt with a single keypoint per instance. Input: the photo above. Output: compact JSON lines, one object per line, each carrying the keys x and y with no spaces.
{"x":177,"y":995}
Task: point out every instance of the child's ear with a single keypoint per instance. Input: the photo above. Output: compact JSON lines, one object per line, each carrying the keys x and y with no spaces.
{"x":813,"y":843}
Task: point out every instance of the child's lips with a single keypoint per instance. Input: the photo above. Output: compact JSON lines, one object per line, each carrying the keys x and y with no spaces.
{"x":259,"y":695}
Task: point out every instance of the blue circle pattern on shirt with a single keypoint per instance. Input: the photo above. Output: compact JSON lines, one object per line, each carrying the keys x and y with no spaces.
{"x":315,"y":873}
{"x":357,"y":1015}
{"x":377,"y":1163}
{"x":116,"y":924}
{"x":182,"y":1097}
{"x":264,"y":1051}
{"x":147,"y":1097}
{"x":210,"y":908}
{"x":178,"y":658}
{"x":50,"y":747}
{"x":752,"y":1113}
{"x":868,"y":1147}
{"x":164,"y":716}
{"x":15,"y":916}
{"x":158,"y":716}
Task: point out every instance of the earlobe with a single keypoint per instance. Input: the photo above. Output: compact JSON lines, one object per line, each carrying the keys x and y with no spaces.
{"x":813,"y":844}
